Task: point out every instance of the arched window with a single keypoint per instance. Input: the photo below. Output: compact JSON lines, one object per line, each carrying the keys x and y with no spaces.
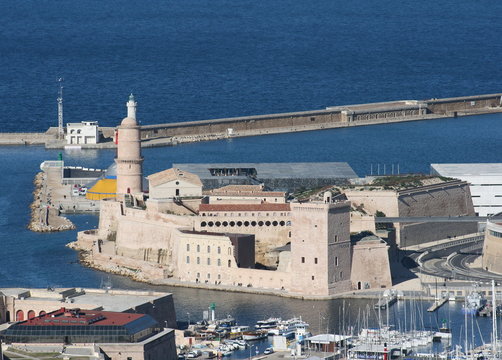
{"x":188,"y":259}
{"x":209,"y":261}
{"x":208,"y":249}
{"x":219,"y":262}
{"x":219,"y":250}
{"x":19,"y":315}
{"x":229,"y":263}
{"x":188,"y":247}
{"x":31,"y":314}
{"x":229,"y":251}
{"x":198,"y":260}
{"x":198,"y":248}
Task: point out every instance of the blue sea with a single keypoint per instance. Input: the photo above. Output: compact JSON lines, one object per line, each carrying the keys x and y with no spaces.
{"x":200,"y":59}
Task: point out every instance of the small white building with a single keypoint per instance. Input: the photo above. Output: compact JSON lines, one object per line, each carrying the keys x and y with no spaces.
{"x":174,"y":183}
{"x":85,"y":132}
{"x":485,"y":184}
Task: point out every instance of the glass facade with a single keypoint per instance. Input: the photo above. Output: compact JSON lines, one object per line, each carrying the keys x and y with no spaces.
{"x":131,"y":332}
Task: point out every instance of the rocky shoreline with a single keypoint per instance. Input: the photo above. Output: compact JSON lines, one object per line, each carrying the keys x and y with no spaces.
{"x":44,"y":215}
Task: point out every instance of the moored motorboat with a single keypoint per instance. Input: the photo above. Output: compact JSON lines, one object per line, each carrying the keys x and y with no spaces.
{"x":254,"y":335}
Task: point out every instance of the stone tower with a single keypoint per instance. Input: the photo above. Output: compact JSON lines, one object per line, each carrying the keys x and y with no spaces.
{"x":320,"y":247}
{"x":129,"y":160}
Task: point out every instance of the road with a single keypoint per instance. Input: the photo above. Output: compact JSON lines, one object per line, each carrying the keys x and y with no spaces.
{"x":454,"y":266}
{"x":422,"y":219}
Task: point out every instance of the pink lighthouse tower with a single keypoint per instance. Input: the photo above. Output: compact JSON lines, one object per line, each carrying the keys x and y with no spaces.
{"x":129,"y":160}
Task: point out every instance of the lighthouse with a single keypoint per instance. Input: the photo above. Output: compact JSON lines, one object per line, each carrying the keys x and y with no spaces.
{"x":129,"y":160}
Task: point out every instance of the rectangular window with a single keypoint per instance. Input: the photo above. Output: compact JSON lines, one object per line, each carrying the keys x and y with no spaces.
{"x":208,"y":261}
{"x":188,"y":259}
{"x":336,"y":260}
{"x":188,"y":247}
{"x":336,"y":238}
{"x":312,"y":277}
{"x":198,"y":260}
{"x":315,"y":260}
{"x":303,"y":260}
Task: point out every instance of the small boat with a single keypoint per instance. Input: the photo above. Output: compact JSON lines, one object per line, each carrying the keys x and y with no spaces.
{"x":473,"y":303}
{"x":242,"y":344}
{"x":254,"y":335}
{"x":267,"y":324}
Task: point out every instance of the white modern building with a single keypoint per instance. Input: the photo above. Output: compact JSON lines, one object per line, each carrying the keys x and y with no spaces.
{"x":85,"y":132}
{"x":485,"y":184}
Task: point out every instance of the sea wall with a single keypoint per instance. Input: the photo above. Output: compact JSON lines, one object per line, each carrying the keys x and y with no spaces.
{"x":332,"y":117}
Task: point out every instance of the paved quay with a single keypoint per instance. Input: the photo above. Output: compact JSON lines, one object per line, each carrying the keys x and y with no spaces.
{"x":52,"y":199}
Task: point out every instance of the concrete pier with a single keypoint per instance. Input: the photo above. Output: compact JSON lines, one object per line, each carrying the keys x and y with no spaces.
{"x":168,"y":134}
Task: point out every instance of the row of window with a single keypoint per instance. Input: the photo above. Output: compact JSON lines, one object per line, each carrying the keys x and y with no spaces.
{"x":218,"y":262}
{"x":218,"y":249}
{"x":316,"y":261}
{"x":245,"y":223}
{"x":495,"y":233}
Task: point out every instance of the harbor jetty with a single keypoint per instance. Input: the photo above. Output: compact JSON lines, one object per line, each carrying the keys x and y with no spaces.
{"x":168,"y":134}
{"x":45,"y":217}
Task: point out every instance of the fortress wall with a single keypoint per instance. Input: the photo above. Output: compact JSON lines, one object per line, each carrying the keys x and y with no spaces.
{"x":420,"y":233}
{"x":370,"y":265}
{"x":193,"y":265}
{"x":446,"y":199}
{"x":374,"y":200}
{"x":360,"y":222}
{"x":492,"y":248}
{"x":267,"y":237}
{"x":109,"y":212}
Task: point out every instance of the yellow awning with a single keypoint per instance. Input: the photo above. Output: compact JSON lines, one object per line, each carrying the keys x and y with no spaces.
{"x":103,"y":189}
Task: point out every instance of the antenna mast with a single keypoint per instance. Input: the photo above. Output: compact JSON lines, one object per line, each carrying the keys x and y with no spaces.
{"x":60,"y":110}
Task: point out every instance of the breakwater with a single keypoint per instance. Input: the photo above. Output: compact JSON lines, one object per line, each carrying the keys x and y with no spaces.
{"x":332,"y":117}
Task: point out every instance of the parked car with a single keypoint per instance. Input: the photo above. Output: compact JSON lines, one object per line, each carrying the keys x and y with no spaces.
{"x":268,"y":351}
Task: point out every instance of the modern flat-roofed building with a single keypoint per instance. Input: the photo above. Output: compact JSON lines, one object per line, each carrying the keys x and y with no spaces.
{"x":485,"y":184}
{"x":18,"y":304}
{"x":276,"y":176}
{"x":118,"y":335}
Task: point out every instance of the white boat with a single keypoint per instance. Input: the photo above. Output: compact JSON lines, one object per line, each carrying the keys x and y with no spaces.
{"x":474,"y":301}
{"x":289,"y":328}
{"x":302,"y":332}
{"x":254,"y":335}
{"x":239,"y":329}
{"x":267,"y":324}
